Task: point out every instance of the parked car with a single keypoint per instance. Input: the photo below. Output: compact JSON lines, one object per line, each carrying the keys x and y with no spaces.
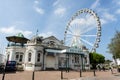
{"x":10,"y":66}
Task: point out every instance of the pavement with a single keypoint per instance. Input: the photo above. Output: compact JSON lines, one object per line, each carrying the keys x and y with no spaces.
{"x":98,"y":78}
{"x":100,"y":75}
{"x":56,"y":75}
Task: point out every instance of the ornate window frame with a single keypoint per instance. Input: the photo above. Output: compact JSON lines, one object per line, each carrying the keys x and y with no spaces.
{"x":29,"y":56}
{"x":39,"y":56}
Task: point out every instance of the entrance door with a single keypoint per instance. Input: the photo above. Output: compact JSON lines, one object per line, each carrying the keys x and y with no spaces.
{"x":50,"y":62}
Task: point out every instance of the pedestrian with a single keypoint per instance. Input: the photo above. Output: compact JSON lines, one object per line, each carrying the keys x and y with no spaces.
{"x":103,"y":68}
{"x":111,"y":68}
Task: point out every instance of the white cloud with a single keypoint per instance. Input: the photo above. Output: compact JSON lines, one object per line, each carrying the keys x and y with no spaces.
{"x":88,"y":21}
{"x":36,"y":2}
{"x":59,"y":8}
{"x":103,"y":21}
{"x":47,"y":34}
{"x":109,"y":16}
{"x":118,"y":11}
{"x":56,"y":2}
{"x":95,"y":4}
{"x":38,"y":9}
{"x":105,"y":15}
{"x":60,"y":11}
{"x":12,"y":30}
{"x":117,"y":2}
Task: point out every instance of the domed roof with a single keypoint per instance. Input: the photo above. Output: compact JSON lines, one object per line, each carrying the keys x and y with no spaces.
{"x":20,"y":35}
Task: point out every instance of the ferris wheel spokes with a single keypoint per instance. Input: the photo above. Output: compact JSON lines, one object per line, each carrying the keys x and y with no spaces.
{"x":82,"y":35}
{"x":88,"y":35}
{"x":70,"y":31}
{"x":87,"y":30}
{"x":85,"y":41}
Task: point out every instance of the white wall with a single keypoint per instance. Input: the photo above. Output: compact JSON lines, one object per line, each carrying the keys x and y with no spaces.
{"x":118,"y":61}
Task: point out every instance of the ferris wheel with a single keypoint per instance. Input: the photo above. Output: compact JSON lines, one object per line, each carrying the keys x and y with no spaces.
{"x":83,"y":29}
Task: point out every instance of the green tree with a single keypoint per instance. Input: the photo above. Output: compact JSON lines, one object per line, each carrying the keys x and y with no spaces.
{"x":114,"y":45}
{"x":95,"y":59}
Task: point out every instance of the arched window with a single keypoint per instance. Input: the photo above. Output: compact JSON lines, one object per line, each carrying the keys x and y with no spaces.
{"x":29,"y":57}
{"x":38,"y":57}
{"x":19,"y":56}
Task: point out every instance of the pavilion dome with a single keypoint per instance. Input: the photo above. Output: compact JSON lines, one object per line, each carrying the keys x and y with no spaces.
{"x":20,"y":35}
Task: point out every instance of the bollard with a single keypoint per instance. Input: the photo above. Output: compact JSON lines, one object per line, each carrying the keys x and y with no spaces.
{"x":94,"y":73}
{"x":61,"y":74}
{"x":33,"y":75}
{"x":68,"y":69}
{"x":80,"y":73}
{"x":3,"y":75}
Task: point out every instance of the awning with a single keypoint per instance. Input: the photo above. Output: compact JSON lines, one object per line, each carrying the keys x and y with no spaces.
{"x":17,"y":39}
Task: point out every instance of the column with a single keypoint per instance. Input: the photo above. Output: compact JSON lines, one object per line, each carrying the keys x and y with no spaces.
{"x":70,"y":61}
{"x":34,"y":59}
{"x":88,"y":61}
{"x":80,"y":61}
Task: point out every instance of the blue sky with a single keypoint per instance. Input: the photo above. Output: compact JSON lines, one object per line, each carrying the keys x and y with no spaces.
{"x":50,"y":17}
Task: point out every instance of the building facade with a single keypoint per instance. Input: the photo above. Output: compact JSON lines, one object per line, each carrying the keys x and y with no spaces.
{"x":47,"y":53}
{"x":2,"y":59}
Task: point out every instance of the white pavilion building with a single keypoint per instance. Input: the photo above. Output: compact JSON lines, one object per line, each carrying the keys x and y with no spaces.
{"x":47,"y":53}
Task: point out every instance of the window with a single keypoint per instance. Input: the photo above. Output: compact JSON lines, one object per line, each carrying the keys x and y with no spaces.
{"x":85,"y":59}
{"x":17,"y":56}
{"x":76,"y":59}
{"x":21,"y":57}
{"x":38,"y":57}
{"x":29,"y":57}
